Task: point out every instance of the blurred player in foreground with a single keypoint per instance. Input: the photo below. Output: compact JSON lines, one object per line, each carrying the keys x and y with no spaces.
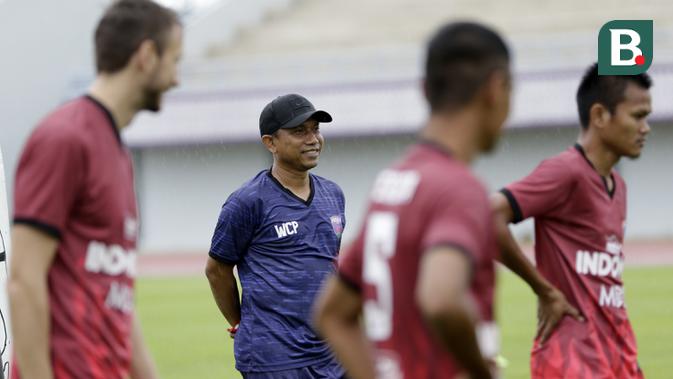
{"x":72,"y":272}
{"x":421,"y":270}
{"x":282,"y":231}
{"x":578,"y":201}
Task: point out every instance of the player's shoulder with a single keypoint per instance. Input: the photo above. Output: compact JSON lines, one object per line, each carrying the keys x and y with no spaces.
{"x":566,"y":163}
{"x":434,"y":172}
{"x":252,"y":190}
{"x":434,"y":161}
{"x":62,"y":128}
{"x":462,"y":187}
{"x":448,"y":174}
{"x":456,"y":184}
{"x":69,"y":120}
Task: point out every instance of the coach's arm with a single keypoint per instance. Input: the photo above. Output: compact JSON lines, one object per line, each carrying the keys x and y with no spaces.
{"x":225,"y":290}
{"x":552,"y":305}
{"x":442,"y":294}
{"x":32,"y":255}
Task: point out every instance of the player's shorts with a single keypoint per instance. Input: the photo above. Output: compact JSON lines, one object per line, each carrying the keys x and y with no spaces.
{"x":575,"y":351}
{"x":328,"y":369}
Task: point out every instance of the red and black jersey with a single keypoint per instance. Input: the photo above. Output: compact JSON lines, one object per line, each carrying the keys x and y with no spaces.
{"x":75,"y":182}
{"x":579,"y":231}
{"x":427,"y":200}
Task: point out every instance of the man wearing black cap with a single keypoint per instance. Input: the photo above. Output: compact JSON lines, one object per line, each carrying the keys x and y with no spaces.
{"x":282,"y":231}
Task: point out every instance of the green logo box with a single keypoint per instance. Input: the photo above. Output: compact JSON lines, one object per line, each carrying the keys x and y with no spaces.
{"x":625,"y":47}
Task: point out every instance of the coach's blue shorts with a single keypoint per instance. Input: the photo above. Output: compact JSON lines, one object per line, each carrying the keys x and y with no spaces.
{"x":328,"y":369}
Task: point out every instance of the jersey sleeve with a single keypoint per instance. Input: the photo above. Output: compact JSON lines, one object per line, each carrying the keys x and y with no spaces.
{"x":342,"y":211}
{"x":460,"y":219}
{"x":234,"y":230}
{"x":350,"y":265}
{"x":49,"y":179}
{"x":343,"y":208}
{"x":542,"y":191}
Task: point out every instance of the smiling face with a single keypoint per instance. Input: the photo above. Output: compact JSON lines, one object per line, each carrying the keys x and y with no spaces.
{"x":297,"y":148}
{"x":627,"y":128}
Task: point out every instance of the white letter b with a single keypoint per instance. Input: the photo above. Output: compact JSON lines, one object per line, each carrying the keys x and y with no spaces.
{"x":616,"y":47}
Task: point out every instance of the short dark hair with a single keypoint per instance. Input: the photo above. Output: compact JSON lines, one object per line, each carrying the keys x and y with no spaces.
{"x":460,"y":58}
{"x":607,"y":90}
{"x":125,"y":25}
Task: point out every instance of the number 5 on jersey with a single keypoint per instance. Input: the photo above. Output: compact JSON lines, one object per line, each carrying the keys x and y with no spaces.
{"x":380,"y":243}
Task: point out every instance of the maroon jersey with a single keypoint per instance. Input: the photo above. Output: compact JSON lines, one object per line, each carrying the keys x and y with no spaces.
{"x":75,"y":182}
{"x":579,"y":229}
{"x":426,"y":200}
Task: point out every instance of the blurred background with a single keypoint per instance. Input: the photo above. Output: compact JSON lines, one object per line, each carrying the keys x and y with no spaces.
{"x":358,"y":59}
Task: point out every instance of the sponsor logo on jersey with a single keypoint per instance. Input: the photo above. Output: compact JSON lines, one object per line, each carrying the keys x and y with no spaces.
{"x":599,"y":263}
{"x":111,"y":260}
{"x":611,"y":296}
{"x":603,"y":264}
{"x":120,"y":297}
{"x":394,"y":187}
{"x":287,"y":229}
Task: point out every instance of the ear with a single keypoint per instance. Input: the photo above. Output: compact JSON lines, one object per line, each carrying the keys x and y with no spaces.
{"x":147,"y":56}
{"x":269,"y":143}
{"x":599,"y":115}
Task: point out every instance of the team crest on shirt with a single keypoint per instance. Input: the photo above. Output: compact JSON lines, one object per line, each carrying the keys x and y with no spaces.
{"x":337,"y":225}
{"x":612,"y":245}
{"x":130,"y":228}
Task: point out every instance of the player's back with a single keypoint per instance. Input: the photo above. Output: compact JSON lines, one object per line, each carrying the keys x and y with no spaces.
{"x":426,"y":200}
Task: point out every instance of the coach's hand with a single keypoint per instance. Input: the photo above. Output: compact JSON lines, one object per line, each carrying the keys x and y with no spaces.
{"x":552,"y":306}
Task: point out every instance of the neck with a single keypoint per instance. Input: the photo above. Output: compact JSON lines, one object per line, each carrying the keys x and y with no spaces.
{"x":456,"y":132}
{"x":602,"y":158}
{"x":292,"y":179}
{"x":117,"y":95}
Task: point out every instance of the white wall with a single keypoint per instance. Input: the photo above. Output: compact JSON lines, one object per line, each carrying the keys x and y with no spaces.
{"x":47,"y":56}
{"x":182,"y":190}
{"x":44,"y":44}
{"x":650,"y":186}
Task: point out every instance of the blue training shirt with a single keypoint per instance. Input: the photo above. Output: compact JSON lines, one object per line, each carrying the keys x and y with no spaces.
{"x":284,"y":248}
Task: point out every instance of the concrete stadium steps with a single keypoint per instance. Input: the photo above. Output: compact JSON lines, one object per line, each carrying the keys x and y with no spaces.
{"x":363,"y":59}
{"x":319,"y":24}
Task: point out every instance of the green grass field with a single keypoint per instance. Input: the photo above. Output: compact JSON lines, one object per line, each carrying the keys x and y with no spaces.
{"x":189,"y":340}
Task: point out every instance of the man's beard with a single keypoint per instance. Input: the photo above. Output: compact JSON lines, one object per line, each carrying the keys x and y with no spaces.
{"x":489,"y":143}
{"x":152,"y":100}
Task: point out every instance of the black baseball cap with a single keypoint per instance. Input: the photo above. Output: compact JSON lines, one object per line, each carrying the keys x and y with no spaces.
{"x":289,"y":111}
